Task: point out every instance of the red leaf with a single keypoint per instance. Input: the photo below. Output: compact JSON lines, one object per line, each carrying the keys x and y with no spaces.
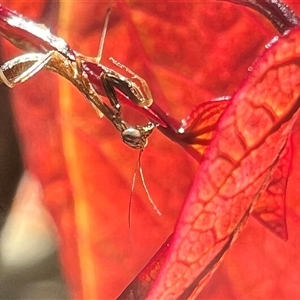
{"x":199,"y":128}
{"x":253,"y":129}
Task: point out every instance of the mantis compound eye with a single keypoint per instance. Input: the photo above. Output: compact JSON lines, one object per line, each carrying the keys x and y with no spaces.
{"x":134,"y":138}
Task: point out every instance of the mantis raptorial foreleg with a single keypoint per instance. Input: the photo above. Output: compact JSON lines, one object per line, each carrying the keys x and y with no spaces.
{"x":144,"y":90}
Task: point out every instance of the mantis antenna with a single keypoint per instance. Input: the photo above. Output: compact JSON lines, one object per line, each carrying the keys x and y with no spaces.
{"x":139,"y":168}
{"x":101,"y":44}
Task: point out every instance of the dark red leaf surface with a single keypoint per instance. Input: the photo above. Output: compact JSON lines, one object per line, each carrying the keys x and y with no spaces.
{"x":200,"y":126}
{"x":270,"y":208}
{"x":188,"y":53}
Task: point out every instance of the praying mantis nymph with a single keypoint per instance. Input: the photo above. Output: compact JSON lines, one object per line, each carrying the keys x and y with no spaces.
{"x":90,"y":77}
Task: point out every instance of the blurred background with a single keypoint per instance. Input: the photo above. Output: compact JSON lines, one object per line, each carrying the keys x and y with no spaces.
{"x":28,"y":248}
{"x":29,"y":267}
